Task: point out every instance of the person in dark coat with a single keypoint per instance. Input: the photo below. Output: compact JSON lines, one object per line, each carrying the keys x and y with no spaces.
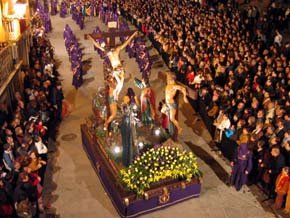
{"x":6,"y":208}
{"x":25,"y":189}
{"x":276,"y":163}
{"x":280,"y":131}
{"x":286,"y":152}
{"x":56,"y":99}
{"x":242,"y":166}
{"x":25,"y":192}
{"x":259,"y":153}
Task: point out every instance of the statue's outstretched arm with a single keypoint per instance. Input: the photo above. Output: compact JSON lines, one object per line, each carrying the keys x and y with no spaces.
{"x":96,"y":44}
{"x":127,"y":42}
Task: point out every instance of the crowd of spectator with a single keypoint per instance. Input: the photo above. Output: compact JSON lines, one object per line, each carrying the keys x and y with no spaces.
{"x":238,"y":64}
{"x":26,"y":129}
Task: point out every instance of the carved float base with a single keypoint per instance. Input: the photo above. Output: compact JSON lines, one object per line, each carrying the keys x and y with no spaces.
{"x":127,"y":203}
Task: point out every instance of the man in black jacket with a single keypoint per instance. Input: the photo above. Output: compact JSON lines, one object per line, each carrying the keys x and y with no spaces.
{"x":56,"y":99}
{"x":276,"y":163}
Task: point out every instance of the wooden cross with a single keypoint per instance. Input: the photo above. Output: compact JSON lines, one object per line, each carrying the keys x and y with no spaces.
{"x":110,"y":36}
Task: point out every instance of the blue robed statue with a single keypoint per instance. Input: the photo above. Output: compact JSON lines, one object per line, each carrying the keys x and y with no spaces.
{"x":127,"y":137}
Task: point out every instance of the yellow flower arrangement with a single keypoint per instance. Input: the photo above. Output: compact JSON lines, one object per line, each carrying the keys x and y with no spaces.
{"x":167,"y":162}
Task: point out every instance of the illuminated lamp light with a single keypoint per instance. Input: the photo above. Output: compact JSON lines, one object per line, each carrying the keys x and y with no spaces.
{"x":157,"y":132}
{"x":20,"y":9}
{"x":117,"y":149}
{"x":140,"y":145}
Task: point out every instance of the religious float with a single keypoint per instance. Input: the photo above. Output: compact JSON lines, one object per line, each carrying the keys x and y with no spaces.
{"x":160,"y":174}
{"x":141,"y":168}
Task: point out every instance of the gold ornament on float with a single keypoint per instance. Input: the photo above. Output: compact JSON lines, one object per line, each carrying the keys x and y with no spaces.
{"x":165,"y":197}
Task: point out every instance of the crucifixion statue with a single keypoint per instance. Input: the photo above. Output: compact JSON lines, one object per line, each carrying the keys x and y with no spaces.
{"x":113,"y":53}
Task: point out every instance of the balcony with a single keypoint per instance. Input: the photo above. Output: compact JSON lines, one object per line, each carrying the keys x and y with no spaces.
{"x":9,"y":66}
{"x":6,"y":63}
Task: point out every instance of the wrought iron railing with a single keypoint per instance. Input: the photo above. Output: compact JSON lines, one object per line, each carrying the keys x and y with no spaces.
{"x":6,"y":63}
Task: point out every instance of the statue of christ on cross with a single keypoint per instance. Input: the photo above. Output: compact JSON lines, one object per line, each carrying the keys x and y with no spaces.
{"x":113,"y":54}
